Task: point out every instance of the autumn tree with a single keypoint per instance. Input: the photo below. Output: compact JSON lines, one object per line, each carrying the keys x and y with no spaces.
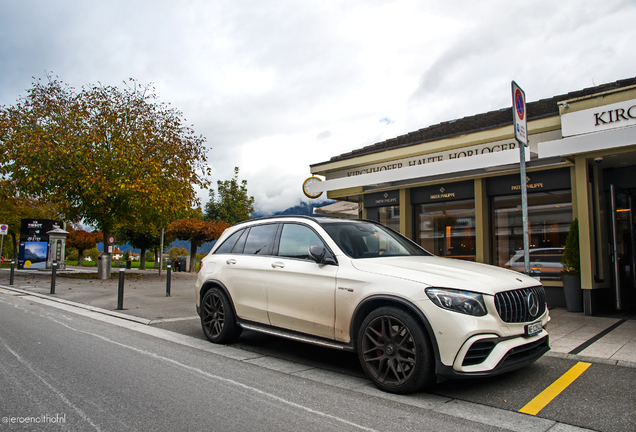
{"x":82,"y":240}
{"x":197,"y":232}
{"x":231,"y":203}
{"x":143,"y":236}
{"x":103,"y":154}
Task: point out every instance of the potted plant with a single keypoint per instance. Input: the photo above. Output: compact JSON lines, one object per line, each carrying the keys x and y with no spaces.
{"x":572,"y":270}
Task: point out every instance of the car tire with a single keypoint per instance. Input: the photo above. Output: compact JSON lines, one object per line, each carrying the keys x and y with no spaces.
{"x":217,"y":318}
{"x":394,"y":351}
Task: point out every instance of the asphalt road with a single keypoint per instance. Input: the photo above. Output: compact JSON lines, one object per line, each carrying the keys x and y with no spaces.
{"x":63,"y":369}
{"x":603,"y":398}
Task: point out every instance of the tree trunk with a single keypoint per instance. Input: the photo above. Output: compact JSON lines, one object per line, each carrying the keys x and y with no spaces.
{"x":142,"y":259}
{"x":80,"y":257}
{"x":193,"y":257}
{"x":15,"y":246}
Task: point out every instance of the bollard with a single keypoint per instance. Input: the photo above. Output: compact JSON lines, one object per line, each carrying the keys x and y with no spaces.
{"x":120,"y":289}
{"x":168,"y":267}
{"x":12,"y":273}
{"x":53,"y":275}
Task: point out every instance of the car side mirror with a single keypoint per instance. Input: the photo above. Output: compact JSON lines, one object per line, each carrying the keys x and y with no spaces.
{"x":319,"y":254}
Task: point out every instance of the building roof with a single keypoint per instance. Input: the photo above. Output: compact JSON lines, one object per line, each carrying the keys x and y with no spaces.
{"x":490,"y":120}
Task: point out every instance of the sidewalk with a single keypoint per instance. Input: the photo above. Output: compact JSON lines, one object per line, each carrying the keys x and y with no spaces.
{"x":607,"y":340}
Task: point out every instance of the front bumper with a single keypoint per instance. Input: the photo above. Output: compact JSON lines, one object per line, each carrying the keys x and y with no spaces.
{"x":499,"y":355}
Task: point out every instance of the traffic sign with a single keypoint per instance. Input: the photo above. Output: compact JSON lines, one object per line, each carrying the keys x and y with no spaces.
{"x":4,"y":229}
{"x":111,"y":239}
{"x":519,"y":115}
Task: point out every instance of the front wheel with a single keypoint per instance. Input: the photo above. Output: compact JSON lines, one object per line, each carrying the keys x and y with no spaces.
{"x":217,"y":318}
{"x":394,"y":351}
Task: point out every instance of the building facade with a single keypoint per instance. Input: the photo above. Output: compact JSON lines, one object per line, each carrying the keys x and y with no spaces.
{"x":454,"y":188}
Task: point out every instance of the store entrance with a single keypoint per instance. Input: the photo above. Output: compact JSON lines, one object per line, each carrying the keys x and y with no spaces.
{"x":623,"y":247}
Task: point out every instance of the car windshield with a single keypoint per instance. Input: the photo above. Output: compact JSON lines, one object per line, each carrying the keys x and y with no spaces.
{"x":368,"y":240}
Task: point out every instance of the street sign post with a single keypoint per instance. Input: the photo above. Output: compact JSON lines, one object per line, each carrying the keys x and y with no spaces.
{"x":4,"y":229}
{"x":520,"y":123}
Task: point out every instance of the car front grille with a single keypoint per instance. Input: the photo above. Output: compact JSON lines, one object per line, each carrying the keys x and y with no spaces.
{"x":513,"y":306}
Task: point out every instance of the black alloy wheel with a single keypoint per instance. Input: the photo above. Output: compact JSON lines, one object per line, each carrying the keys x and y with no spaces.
{"x":394,"y":351}
{"x":217,"y":318}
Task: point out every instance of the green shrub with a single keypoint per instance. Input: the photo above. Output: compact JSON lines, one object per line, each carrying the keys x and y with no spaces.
{"x":571,"y":255}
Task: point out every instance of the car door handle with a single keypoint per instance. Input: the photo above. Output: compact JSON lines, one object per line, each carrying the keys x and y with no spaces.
{"x":278,"y":264}
{"x":230,"y":261}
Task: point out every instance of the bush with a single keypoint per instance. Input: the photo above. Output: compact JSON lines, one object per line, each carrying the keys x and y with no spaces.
{"x":571,"y":255}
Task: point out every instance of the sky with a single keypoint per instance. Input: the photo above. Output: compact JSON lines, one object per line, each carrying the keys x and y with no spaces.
{"x":278,"y":85}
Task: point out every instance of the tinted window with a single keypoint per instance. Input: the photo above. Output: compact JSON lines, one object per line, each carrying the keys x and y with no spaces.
{"x":240,"y":244}
{"x":228,"y":244}
{"x":260,"y":240}
{"x":295,"y":241}
{"x":368,"y":240}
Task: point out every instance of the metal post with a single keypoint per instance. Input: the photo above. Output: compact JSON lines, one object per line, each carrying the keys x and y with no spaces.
{"x":168,"y":267}
{"x":53,"y":274}
{"x":524,"y":208}
{"x":12,"y":273}
{"x":161,"y":252}
{"x":120,"y":289}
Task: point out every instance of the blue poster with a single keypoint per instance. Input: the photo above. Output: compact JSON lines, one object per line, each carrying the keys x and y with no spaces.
{"x":33,"y":255}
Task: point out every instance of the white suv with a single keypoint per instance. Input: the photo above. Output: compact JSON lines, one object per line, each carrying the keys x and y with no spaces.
{"x":356,"y":285}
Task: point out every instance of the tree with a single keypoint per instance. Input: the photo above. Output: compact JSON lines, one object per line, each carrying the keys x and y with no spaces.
{"x":104,"y":155}
{"x":139,"y":235}
{"x":82,"y":240}
{"x":196,"y":232}
{"x":233,"y":204}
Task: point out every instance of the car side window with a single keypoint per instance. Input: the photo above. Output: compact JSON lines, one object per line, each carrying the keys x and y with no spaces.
{"x":295,"y":241}
{"x":229,"y":244}
{"x":260,"y":240}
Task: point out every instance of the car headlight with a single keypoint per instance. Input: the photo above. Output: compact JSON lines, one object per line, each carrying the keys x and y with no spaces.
{"x":465,"y":302}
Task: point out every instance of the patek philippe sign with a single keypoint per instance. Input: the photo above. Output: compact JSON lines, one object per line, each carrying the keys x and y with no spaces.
{"x":443,"y":192}
{"x":598,"y":119}
{"x":382,"y":199}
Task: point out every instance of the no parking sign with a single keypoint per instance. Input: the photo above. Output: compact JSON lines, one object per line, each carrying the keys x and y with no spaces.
{"x":4,"y":229}
{"x":520,"y":119}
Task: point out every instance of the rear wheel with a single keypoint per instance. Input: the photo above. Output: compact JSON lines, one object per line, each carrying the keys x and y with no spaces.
{"x":394,"y":351}
{"x":217,"y":318}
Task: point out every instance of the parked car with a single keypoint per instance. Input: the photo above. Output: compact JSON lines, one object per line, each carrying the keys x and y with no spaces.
{"x":356,"y":285}
{"x":545,"y":261}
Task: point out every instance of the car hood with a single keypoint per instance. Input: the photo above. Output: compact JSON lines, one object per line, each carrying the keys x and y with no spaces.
{"x":447,"y":273}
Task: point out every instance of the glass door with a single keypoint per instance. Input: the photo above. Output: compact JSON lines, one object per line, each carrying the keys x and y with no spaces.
{"x":622,"y":242}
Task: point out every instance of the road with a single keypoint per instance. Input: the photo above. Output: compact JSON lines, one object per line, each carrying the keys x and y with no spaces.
{"x":104,"y":373}
{"x":63,"y":369}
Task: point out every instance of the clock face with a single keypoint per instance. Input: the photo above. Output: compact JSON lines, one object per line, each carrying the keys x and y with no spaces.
{"x":310,"y":181}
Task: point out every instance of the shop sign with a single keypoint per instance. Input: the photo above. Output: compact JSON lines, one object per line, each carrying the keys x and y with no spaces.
{"x":443,"y":192}
{"x":536,"y":181}
{"x":598,"y":119}
{"x":464,"y":152}
{"x":382,"y":199}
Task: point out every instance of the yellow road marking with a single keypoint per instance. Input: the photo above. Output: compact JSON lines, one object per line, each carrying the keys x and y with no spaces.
{"x":547,"y":395}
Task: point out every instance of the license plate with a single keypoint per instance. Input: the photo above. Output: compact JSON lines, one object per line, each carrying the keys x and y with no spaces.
{"x":534,"y":328}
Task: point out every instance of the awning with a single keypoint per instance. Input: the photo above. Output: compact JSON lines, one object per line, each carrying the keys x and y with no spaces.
{"x":482,"y":161}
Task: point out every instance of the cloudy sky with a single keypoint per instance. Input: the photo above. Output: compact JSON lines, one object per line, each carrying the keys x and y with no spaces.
{"x":277,"y":85}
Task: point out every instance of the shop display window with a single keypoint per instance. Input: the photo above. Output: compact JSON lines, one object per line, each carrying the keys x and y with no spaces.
{"x":549,"y":217}
{"x":447,"y":228}
{"x":389,"y":217}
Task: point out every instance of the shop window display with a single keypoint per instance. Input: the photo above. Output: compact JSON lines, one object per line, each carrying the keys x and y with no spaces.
{"x":549,"y":217}
{"x":447,"y":229}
